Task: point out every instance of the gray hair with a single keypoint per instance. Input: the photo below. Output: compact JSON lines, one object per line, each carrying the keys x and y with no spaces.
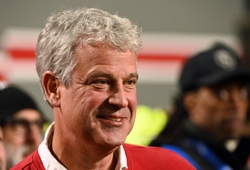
{"x":65,"y":29}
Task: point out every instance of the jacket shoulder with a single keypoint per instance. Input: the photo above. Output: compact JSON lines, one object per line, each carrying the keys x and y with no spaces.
{"x":152,"y":157}
{"x":32,"y":162}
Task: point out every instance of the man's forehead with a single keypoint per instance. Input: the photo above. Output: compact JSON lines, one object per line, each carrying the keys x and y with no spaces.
{"x":28,"y":114}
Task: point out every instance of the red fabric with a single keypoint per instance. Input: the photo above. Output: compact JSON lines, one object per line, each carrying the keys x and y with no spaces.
{"x":138,"y":157}
{"x":154,"y":158}
{"x":32,"y":162}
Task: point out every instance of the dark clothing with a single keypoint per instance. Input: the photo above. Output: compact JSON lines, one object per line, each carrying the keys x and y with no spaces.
{"x":192,"y":140}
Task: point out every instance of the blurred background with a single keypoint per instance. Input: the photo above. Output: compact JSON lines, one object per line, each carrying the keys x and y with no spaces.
{"x":172,"y":31}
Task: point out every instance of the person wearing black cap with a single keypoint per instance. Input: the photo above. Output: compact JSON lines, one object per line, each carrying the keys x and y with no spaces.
{"x":21,"y":121}
{"x":210,"y":110}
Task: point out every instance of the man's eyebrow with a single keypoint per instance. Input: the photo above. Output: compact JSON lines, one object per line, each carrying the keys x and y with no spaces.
{"x":134,"y":75}
{"x":102,"y":74}
{"x":99,"y":74}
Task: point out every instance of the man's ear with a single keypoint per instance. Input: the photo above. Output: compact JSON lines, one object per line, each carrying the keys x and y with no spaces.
{"x":51,"y":85}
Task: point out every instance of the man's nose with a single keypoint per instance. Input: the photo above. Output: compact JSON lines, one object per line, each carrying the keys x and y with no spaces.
{"x":118,"y":96}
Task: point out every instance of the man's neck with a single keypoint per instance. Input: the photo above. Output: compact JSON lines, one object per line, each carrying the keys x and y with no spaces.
{"x":84,"y":161}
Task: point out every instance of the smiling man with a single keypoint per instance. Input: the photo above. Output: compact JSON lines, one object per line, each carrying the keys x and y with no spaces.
{"x":86,"y":61}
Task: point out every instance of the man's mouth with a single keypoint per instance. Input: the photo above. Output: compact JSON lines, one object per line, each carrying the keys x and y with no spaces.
{"x":111,"y":118}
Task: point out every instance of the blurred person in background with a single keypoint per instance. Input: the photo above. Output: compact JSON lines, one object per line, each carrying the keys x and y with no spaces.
{"x":2,"y":152}
{"x":22,"y":123}
{"x":210,"y":110}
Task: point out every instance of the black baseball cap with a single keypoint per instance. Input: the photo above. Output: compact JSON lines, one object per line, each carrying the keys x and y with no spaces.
{"x":212,"y":67}
{"x":13,"y":99}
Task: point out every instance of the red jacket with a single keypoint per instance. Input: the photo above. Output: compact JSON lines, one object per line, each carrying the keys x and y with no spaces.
{"x":138,"y":157}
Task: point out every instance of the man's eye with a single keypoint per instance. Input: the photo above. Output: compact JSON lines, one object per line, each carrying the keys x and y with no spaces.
{"x":243,"y":93}
{"x":131,"y":83}
{"x":100,"y":83}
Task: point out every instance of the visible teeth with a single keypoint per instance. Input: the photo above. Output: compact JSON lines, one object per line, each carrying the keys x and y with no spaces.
{"x":116,"y":119}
